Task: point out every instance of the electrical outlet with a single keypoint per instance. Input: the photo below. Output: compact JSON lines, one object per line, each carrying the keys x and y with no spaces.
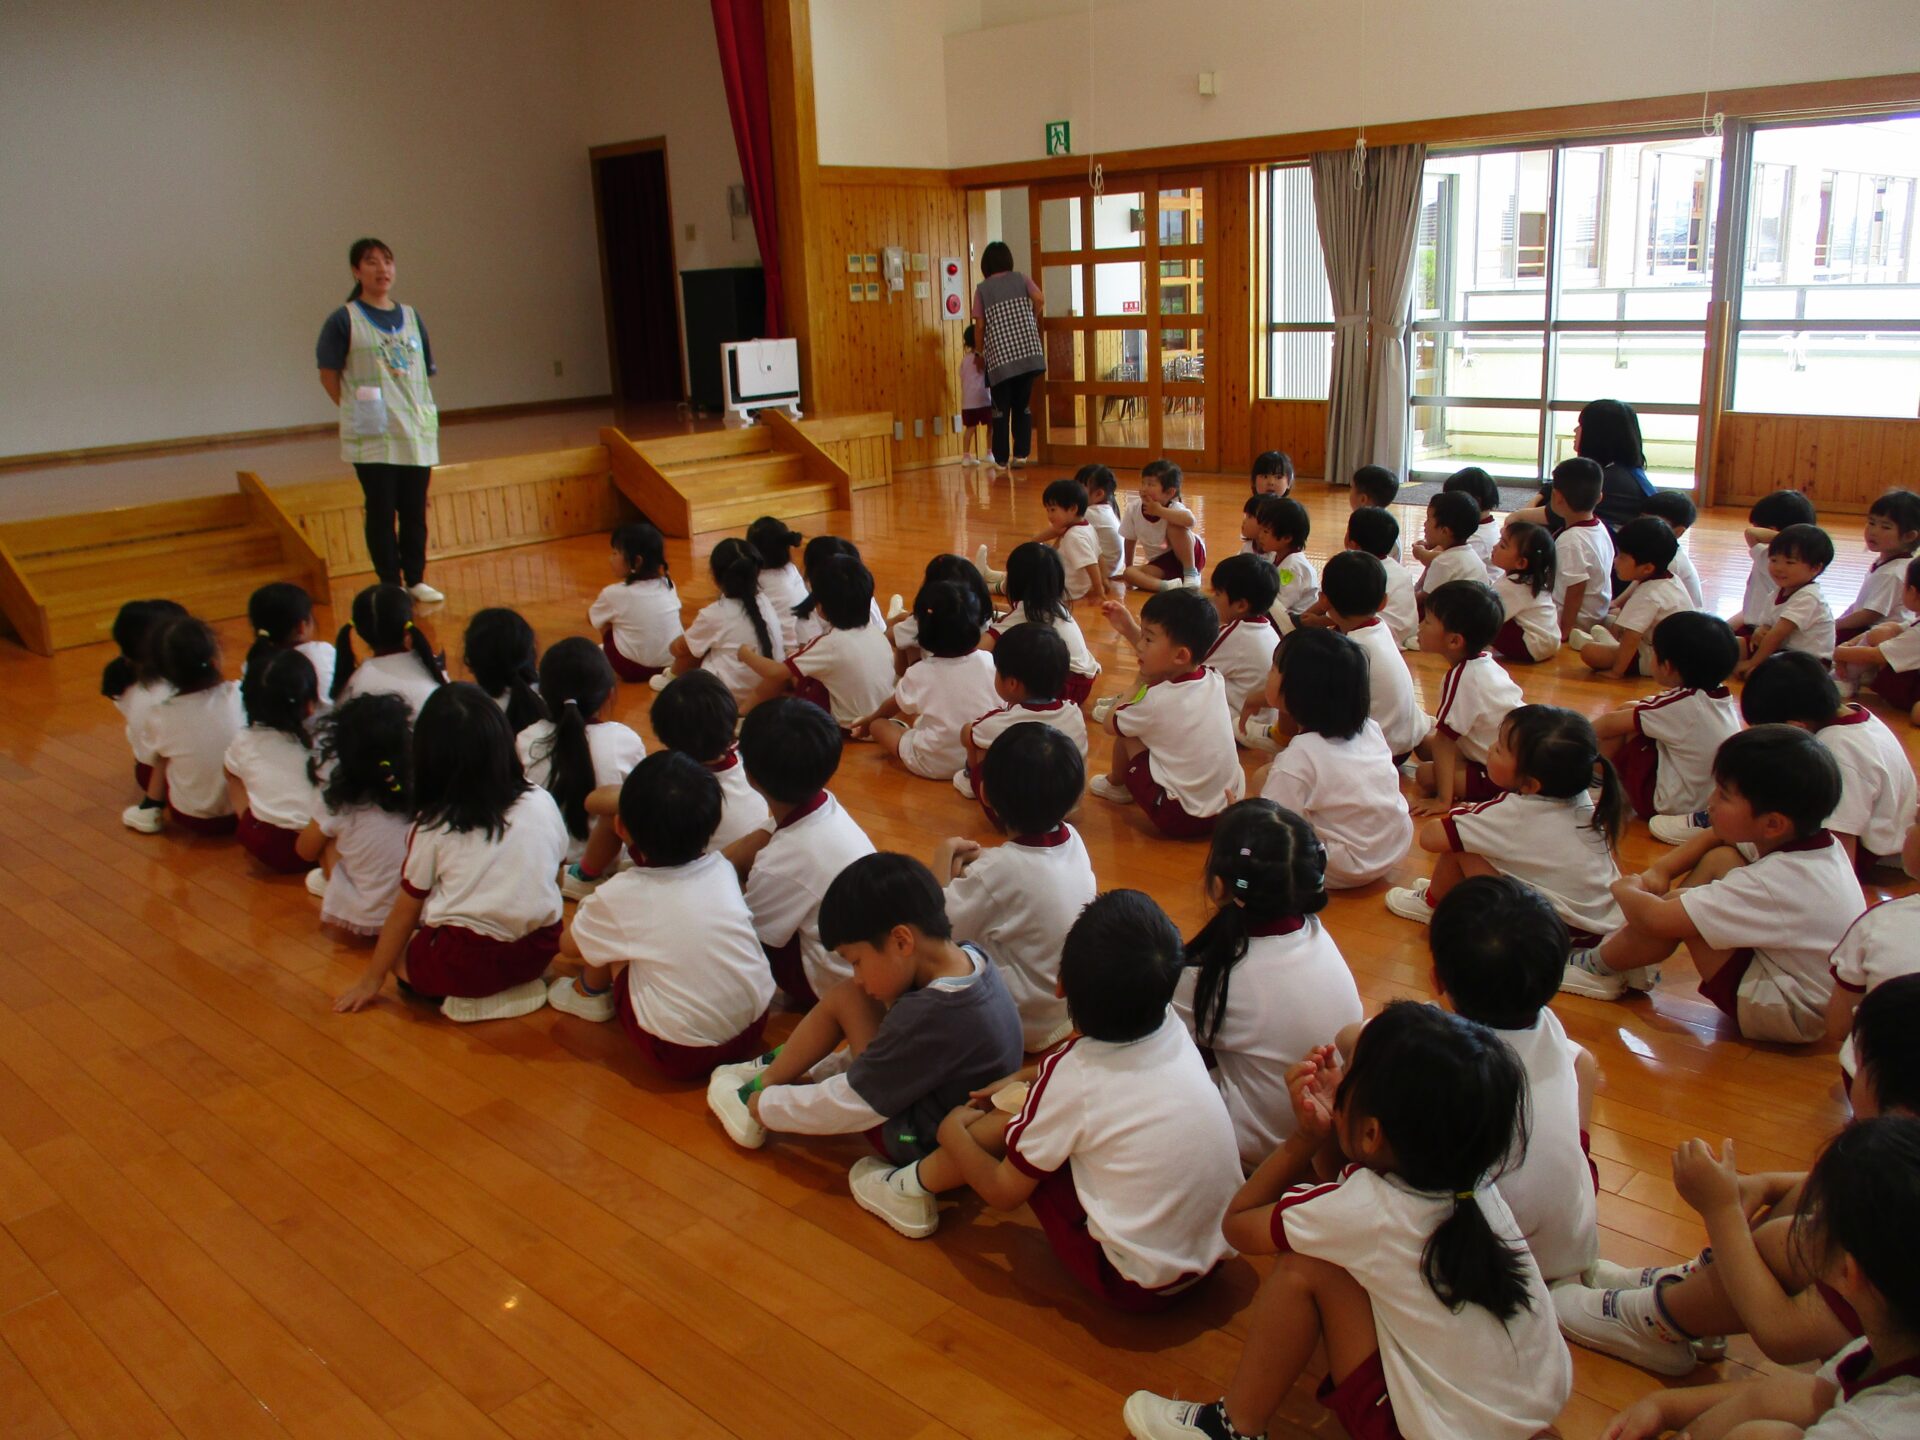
{"x":559,"y":367}
{"x":899,"y":431}
{"x":939,"y":424}
{"x":919,"y":428}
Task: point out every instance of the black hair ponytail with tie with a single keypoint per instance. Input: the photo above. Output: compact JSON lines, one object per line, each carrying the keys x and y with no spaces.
{"x":576,"y":680}
{"x":736,"y":570}
{"x":1558,"y":750}
{"x":383,"y":614}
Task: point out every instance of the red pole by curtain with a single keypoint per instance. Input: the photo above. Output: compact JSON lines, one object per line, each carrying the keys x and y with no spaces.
{"x":740,"y":27}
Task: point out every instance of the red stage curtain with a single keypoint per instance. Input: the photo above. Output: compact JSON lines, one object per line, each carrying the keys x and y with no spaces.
{"x":740,"y":27}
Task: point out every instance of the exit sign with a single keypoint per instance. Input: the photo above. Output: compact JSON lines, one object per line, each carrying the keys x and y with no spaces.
{"x":1059,"y":138}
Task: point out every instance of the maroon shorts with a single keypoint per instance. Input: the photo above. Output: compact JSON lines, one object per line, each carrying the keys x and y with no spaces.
{"x":632,"y":671}
{"x":789,"y":973}
{"x":981,"y":415}
{"x":272,"y":846}
{"x":1724,"y":988}
{"x":1902,"y":687}
{"x":452,"y":960}
{"x":1638,"y":765}
{"x":1056,"y":1205}
{"x":1361,"y":1403}
{"x":1077,"y":688}
{"x":1510,"y":643}
{"x":1162,"y":809}
{"x":685,"y":1062}
{"x":202,"y":824}
{"x":142,"y":776}
{"x":1168,"y":564}
{"x":1478,"y":785}
{"x":806,"y":687}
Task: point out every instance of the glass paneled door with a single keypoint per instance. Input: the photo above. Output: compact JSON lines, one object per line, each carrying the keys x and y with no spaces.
{"x":1124,"y":280}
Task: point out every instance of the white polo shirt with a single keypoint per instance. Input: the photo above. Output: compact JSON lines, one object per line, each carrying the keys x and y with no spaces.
{"x":273,"y":767}
{"x":696,"y":974}
{"x":1806,"y":609}
{"x":1791,"y":907}
{"x":503,"y":888}
{"x":1902,"y":651}
{"x":856,"y":666}
{"x":1150,"y":1145}
{"x":1079,"y":658}
{"x":1687,"y":728}
{"x":1476,"y":696}
{"x":191,"y":733}
{"x":718,"y":632}
{"x":1584,"y":551}
{"x":402,"y":674}
{"x":1349,"y":791}
{"x":1299,"y":583}
{"x":323,"y":657}
{"x":1079,"y":547}
{"x":644,"y":616}
{"x":615,"y":749}
{"x":1456,"y":562}
{"x":783,"y":588}
{"x":943,"y":693}
{"x":1683,"y":571}
{"x":1449,"y":1374}
{"x":1884,"y":590}
{"x":1391,"y":700}
{"x":1106,"y":533}
{"x":1291,"y":991}
{"x":1874,"y":1403}
{"x":1188,"y":732}
{"x":1551,"y":1190}
{"x":1149,"y":536}
{"x":1485,"y":536}
{"x":1065,"y":718}
{"x":1878,"y":793}
{"x":1242,"y":656}
{"x":743,"y":809}
{"x":1016,"y":902}
{"x":1552,"y":846}
{"x":1643,"y":605}
{"x":370,"y":846}
{"x":1882,"y":945}
{"x":1536,"y":615}
{"x":135,"y":703}
{"x":1400,"y":610}
{"x":808,"y":851}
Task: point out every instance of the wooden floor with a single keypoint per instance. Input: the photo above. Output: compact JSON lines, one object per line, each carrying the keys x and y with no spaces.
{"x":229,"y":1212}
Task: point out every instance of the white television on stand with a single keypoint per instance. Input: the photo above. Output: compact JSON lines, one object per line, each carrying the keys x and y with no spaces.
{"x":758,"y":375}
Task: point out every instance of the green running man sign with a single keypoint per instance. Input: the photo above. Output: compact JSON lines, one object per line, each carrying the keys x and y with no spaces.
{"x":1059,"y":138}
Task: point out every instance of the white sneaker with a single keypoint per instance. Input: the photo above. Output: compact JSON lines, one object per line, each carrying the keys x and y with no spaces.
{"x":1605,"y":1275}
{"x":980,"y":559}
{"x":317,"y":883}
{"x":723,"y":1099}
{"x":569,"y":999}
{"x":741,"y":1071}
{"x":425,"y":593}
{"x":1107,"y":788}
{"x":147,"y":819}
{"x":963,"y":784}
{"x":1677,"y":829}
{"x":874,"y":1191}
{"x":1103,"y":707}
{"x":1410,"y":903}
{"x":660,"y":681}
{"x":895,"y":609}
{"x":1579,"y":639}
{"x":1018,"y":462}
{"x":505,"y":1005}
{"x":1624,"y":1324}
{"x":1154,"y":1417}
{"x":1256,"y":735}
{"x":576,"y":886}
{"x":969,"y":459}
{"x":1586,"y":974}
{"x":1644,"y":978}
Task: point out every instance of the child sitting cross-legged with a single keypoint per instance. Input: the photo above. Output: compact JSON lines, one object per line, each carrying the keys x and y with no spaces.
{"x":188,"y":734}
{"x":1408,"y":1268}
{"x":1377,"y":533}
{"x":1892,"y":535}
{"x":1281,"y":528}
{"x":1887,"y":657}
{"x":1120,"y":1146}
{"x":1017,"y":900}
{"x":695,"y":988}
{"x":1033,"y":582}
{"x":1163,"y":546}
{"x":1453,"y":519}
{"x":919,"y":724}
{"x":847,"y":669}
{"x":1643,"y":558}
{"x":1476,"y":695}
{"x":1029,"y":673}
{"x":269,"y":782}
{"x":362,"y":762}
{"x":1795,"y":616}
{"x":925,"y":1021}
{"x":1583,"y":550}
{"x":1523,"y":566}
{"x":638,"y":615}
{"x":1173,"y":749}
{"x":1336,"y":770}
{"x":1353,"y":589}
{"x":1662,"y":746}
{"x":1768,"y":892}
{"x":1244,"y":589}
{"x":1264,"y":983}
{"x":1554,"y":826}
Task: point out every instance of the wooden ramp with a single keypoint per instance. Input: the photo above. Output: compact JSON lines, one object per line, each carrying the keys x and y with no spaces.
{"x":63,"y":578}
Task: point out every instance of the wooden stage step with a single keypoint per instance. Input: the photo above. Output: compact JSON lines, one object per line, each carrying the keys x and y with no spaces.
{"x":726,"y":479}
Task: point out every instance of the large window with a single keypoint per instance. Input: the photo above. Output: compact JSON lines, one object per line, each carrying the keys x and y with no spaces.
{"x":1829,"y":300}
{"x":1299,"y":304}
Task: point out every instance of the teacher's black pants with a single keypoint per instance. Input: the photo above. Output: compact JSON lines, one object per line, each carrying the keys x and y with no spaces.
{"x":396,"y":492}
{"x":1010,"y":407}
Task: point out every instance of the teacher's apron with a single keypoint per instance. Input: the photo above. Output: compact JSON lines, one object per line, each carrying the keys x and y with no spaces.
{"x":387,"y":414}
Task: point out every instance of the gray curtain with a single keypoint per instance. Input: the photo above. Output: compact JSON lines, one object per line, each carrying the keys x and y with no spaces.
{"x":1393,"y":226}
{"x":1343,"y":242}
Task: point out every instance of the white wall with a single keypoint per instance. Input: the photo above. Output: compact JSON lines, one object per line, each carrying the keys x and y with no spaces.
{"x":880,"y":79}
{"x":1291,"y":65}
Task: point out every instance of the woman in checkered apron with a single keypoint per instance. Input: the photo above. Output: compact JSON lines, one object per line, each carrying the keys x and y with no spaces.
{"x":374,"y":361}
{"x":1006,"y":306}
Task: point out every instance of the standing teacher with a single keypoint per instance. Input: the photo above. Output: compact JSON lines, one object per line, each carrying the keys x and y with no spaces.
{"x":374,"y":362}
{"x":1006,"y":304}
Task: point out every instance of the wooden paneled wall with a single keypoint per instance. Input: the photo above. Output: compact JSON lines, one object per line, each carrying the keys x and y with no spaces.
{"x":895,"y":354}
{"x":861,"y":444}
{"x":1843,"y":462}
{"x":1298,"y":427}
{"x":1231,"y":302}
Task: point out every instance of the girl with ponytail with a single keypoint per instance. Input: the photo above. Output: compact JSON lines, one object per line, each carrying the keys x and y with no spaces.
{"x":187,"y":734}
{"x":403,"y":662}
{"x":281,"y":615}
{"x":576,"y":751}
{"x":1264,"y":982}
{"x":132,"y":679}
{"x":362,"y":764}
{"x":780,"y":581}
{"x":268,"y":779}
{"x":742,"y":615}
{"x":1554,"y":827}
{"x":502,"y":655}
{"x":638,"y":615}
{"x":1408,"y":1267}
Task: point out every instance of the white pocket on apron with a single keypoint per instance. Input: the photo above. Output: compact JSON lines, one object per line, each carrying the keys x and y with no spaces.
{"x":369,"y":410}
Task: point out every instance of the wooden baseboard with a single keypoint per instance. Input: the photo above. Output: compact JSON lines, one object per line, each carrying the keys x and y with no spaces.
{"x":93,"y":455}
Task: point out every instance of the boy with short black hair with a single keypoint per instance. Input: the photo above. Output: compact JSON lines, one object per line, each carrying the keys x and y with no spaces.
{"x":1352,"y":590}
{"x":1892,"y":535}
{"x":1374,"y":487}
{"x":1174,"y":749}
{"x":1770,"y":515}
{"x":1376,"y":532}
{"x":1120,"y":1144}
{"x":1071,"y":533}
{"x":1887,"y":657}
{"x":1486,"y":494}
{"x":1453,"y":518}
{"x":1476,"y":696}
{"x":696,"y":988}
{"x":1676,"y":507}
{"x":791,"y":749}
{"x":1243,"y":589}
{"x":1029,"y":674}
{"x":1583,"y":551}
{"x":1016,"y":901}
{"x":1760,"y":930}
{"x":926,"y":1022}
{"x":1281,"y":529}
{"x":1795,"y":616}
{"x":1643,"y":562}
{"x":1663,"y":746}
{"x":1164,"y":550}
{"x":1499,"y":952}
{"x":1878,"y":793}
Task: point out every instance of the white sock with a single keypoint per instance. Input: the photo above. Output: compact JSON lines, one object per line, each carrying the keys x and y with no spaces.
{"x":907,"y":1181}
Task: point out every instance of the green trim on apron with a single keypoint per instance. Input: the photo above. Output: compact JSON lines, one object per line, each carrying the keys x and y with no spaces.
{"x":387,"y":414}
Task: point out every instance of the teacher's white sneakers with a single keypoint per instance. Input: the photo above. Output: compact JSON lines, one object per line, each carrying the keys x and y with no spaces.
{"x":425,"y":593}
